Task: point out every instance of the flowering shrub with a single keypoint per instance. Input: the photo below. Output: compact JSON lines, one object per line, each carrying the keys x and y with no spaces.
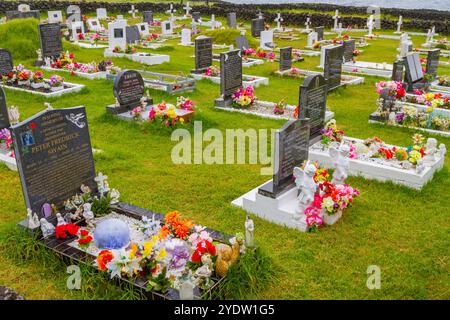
{"x":244,"y":97}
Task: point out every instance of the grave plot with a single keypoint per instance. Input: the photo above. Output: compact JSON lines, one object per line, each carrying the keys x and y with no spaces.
{"x":109,"y":239}
{"x":442,"y":84}
{"x":368,"y":68}
{"x":213,"y":73}
{"x":67,"y":63}
{"x":279,"y":201}
{"x":169,"y":83}
{"x":140,"y":57}
{"x":95,"y":40}
{"x":412,"y":166}
{"x":133,"y":106}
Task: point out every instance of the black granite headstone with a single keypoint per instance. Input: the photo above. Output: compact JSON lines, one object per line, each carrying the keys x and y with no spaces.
{"x":128,"y":89}
{"x":230,"y":73}
{"x":414,"y":72}
{"x":285,"y":58}
{"x":397,"y":70}
{"x":291,"y":149}
{"x":196,"y":16}
{"x":203,"y":53}
{"x":147,"y":16}
{"x":333,"y":66}
{"x":4,"y":119}
{"x":313,"y":103}
{"x":433,"y":62}
{"x":6,"y":62}
{"x":232,"y":20}
{"x":319,"y":31}
{"x":132,"y":34}
{"x":242,"y":43}
{"x":50,"y":37}
{"x":349,"y":48}
{"x":54,"y":156}
{"x":257,"y":27}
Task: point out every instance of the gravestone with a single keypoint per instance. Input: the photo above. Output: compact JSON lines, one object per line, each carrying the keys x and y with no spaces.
{"x":94,"y":24}
{"x":6,"y":62}
{"x":319,"y":31}
{"x":166,"y":27}
{"x":285,"y":58}
{"x":291,"y":149}
{"x":257,"y":27}
{"x":128,"y":90}
{"x":117,"y":34}
{"x":266,"y":40}
{"x":102,"y":14}
{"x":132,"y":34}
{"x":433,"y":62}
{"x":76,"y":28}
{"x":232,"y":20}
{"x":55,"y":17}
{"x":349,"y":48}
{"x":23,"y":14}
{"x":143,"y":29}
{"x":312,"y":38}
{"x":397,"y":70}
{"x":203,"y":53}
{"x":196,"y":16}
{"x":73,"y":14}
{"x":186,"y":37}
{"x":230,"y":77}
{"x":147,"y":16}
{"x":414,"y":73}
{"x":4,"y":118}
{"x":333,"y":66}
{"x":54,"y":156}
{"x":50,"y":38}
{"x":313,"y":104}
{"x":242,"y":43}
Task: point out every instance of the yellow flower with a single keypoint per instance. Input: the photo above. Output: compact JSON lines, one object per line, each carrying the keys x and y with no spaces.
{"x":182,"y":120}
{"x":414,"y":156}
{"x":148,"y":247}
{"x":161,"y":254}
{"x":134,"y":249}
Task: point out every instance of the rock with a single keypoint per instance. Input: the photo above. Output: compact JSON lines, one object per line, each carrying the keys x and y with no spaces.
{"x":9,"y":294}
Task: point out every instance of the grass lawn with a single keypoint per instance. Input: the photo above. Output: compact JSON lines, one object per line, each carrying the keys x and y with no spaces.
{"x":404,"y":232}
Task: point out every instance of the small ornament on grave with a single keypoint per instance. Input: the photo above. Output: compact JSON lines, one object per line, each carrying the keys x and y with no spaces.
{"x":340,"y":159}
{"x":304,"y":180}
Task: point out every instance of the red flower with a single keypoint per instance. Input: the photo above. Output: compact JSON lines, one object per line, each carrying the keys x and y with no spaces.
{"x":62,"y":231}
{"x":84,"y":241}
{"x":84,"y":232}
{"x":32,"y":125}
{"x":103,"y":258}
{"x":196,"y":257}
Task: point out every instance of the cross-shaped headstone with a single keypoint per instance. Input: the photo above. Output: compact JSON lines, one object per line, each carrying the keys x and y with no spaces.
{"x":336,"y":19}
{"x":133,"y":11}
{"x":187,"y":8}
{"x":260,"y":15}
{"x":307,"y":23}
{"x":399,"y":23}
{"x":101,"y":179}
{"x":213,"y":21}
{"x":370,"y":25}
{"x":171,"y":11}
{"x":278,"y":20}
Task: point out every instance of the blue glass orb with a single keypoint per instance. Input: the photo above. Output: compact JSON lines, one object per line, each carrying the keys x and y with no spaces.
{"x":111,"y":234}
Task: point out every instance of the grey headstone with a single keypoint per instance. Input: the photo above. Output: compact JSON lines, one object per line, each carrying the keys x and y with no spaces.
{"x":397,"y":70}
{"x":132,"y":34}
{"x":291,"y":149}
{"x":414,"y":73}
{"x":147,"y":16}
{"x":54,"y":156}
{"x":230,"y":73}
{"x":285,"y":58}
{"x":4,"y":119}
{"x":128,"y":89}
{"x":203,"y":53}
{"x":196,"y":16}
{"x":313,"y":103}
{"x":433,"y":62}
{"x":349,"y":48}
{"x":6,"y":62}
{"x":242,"y":43}
{"x":10,"y":15}
{"x":319,"y":31}
{"x":50,"y":37}
{"x":257,"y":27}
{"x":232,"y":20}
{"x":333,"y":66}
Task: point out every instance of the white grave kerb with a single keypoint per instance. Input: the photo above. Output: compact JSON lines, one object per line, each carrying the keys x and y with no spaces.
{"x":117,"y":34}
{"x":55,"y":17}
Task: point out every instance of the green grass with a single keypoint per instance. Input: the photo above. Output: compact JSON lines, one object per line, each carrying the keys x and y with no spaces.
{"x":404,"y":232}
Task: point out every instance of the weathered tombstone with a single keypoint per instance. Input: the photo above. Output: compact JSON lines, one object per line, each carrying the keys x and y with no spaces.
{"x":55,"y":17}
{"x":414,"y":73}
{"x":23,"y":11}
{"x":349,"y":48}
{"x":73,"y":14}
{"x":397,"y":70}
{"x":132,"y":34}
{"x":230,"y":76}
{"x":257,"y":27}
{"x":242,"y":43}
{"x":147,"y":16}
{"x":102,"y":14}
{"x":54,"y":156}
{"x":94,"y":24}
{"x":433,"y":62}
{"x":285,"y":58}
{"x":203,"y":53}
{"x":291,"y":149}
{"x":117,"y":34}
{"x":50,"y":37}
{"x":196,"y":16}
{"x":232,"y":20}
{"x":6,"y":62}
{"x":333,"y":66}
{"x":128,"y":90}
{"x":313,"y":104}
{"x":319,"y":31}
{"x":4,"y":118}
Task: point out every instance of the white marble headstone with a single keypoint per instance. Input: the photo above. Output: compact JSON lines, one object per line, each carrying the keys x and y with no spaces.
{"x":55,"y":16}
{"x":117,"y":34}
{"x":167,"y":27}
{"x":102,"y":14}
{"x":143,"y":29}
{"x":266,"y":40}
{"x":77,"y":27}
{"x":312,"y":38}
{"x":94,"y":24}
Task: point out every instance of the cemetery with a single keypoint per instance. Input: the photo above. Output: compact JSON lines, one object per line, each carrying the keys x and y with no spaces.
{"x":213,"y":182}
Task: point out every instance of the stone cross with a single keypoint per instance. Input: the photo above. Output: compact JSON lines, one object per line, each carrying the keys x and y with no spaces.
{"x":101,"y":179}
{"x":171,"y":11}
{"x":307,"y":24}
{"x":133,"y":11}
{"x":370,"y":24}
{"x":213,"y":21}
{"x":188,"y":9}
{"x":278,"y":20}
{"x":399,"y":23}
{"x":336,"y":17}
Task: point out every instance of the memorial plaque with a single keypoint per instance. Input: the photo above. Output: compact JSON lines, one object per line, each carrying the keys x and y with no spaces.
{"x":230,"y":73}
{"x":397,"y":70}
{"x":242,"y":43}
{"x":4,"y":119}
{"x":349,"y":48}
{"x":6,"y":62}
{"x":313,"y":103}
{"x":257,"y":27}
{"x":132,"y":34}
{"x":291,"y":149}
{"x":319,"y":31}
{"x":203,"y":53}
{"x":148,"y":16}
{"x":433,"y":62}
{"x":129,"y":89}
{"x":333,"y":66}
{"x":50,"y":37}
{"x":54,"y":156}
{"x":285,"y":58}
{"x":196,"y":16}
{"x":232,"y":20}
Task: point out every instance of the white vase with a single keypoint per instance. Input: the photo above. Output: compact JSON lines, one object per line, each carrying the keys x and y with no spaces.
{"x":331,"y":219}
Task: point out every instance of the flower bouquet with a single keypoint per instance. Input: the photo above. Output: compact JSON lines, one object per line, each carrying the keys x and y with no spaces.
{"x":444,"y":81}
{"x":331,"y":133}
{"x":213,"y":71}
{"x":23,"y":76}
{"x":6,"y":142}
{"x":185,"y":103}
{"x":244,"y":97}
{"x":165,"y":114}
{"x":37,"y":80}
{"x":94,"y":39}
{"x":279,"y":107}
{"x":56,"y":83}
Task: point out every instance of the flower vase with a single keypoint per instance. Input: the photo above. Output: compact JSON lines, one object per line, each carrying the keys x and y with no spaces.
{"x":330,"y":219}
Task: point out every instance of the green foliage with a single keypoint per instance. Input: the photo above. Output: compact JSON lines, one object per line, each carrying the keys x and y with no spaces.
{"x":21,"y":38}
{"x":101,"y":206}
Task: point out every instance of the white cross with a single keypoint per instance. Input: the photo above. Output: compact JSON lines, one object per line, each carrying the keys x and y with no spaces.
{"x":370,"y":25}
{"x":100,"y":179}
{"x":399,"y":23}
{"x":260,"y":15}
{"x":133,"y":11}
{"x":171,"y":11}
{"x":307,"y":23}
{"x":278,"y":20}
{"x":187,"y":8}
{"x":213,"y":21}
{"x":336,"y":18}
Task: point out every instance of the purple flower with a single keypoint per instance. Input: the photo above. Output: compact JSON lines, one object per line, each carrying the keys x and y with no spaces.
{"x":179,"y":254}
{"x":399,"y":117}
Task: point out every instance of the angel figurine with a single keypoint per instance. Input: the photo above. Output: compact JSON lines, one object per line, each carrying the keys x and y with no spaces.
{"x":304,"y":179}
{"x":32,"y":219}
{"x":115,"y":195}
{"x":13,"y":114}
{"x":47,"y":228}
{"x":430,"y":150}
{"x":339,"y":157}
{"x":88,"y":215}
{"x":60,"y":220}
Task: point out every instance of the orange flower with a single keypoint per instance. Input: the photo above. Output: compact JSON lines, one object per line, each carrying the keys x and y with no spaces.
{"x":164,"y":232}
{"x":103,"y":258}
{"x":172,"y":217}
{"x":181,"y":230}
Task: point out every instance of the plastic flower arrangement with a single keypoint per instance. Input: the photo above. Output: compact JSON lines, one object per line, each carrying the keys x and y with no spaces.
{"x":85,"y":239}
{"x":212,"y":71}
{"x":152,"y":37}
{"x":395,"y":88}
{"x":95,"y":38}
{"x":432,"y":100}
{"x":185,"y":103}
{"x":38,"y":77}
{"x":66,"y":230}
{"x":24,"y":75}
{"x":279,"y":108}
{"x":330,"y":133}
{"x":444,"y":81}
{"x":56,"y":81}
{"x":165,"y":114}
{"x":136,"y":113}
{"x":271,"y":56}
{"x":6,"y":142}
{"x":244,"y":97}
